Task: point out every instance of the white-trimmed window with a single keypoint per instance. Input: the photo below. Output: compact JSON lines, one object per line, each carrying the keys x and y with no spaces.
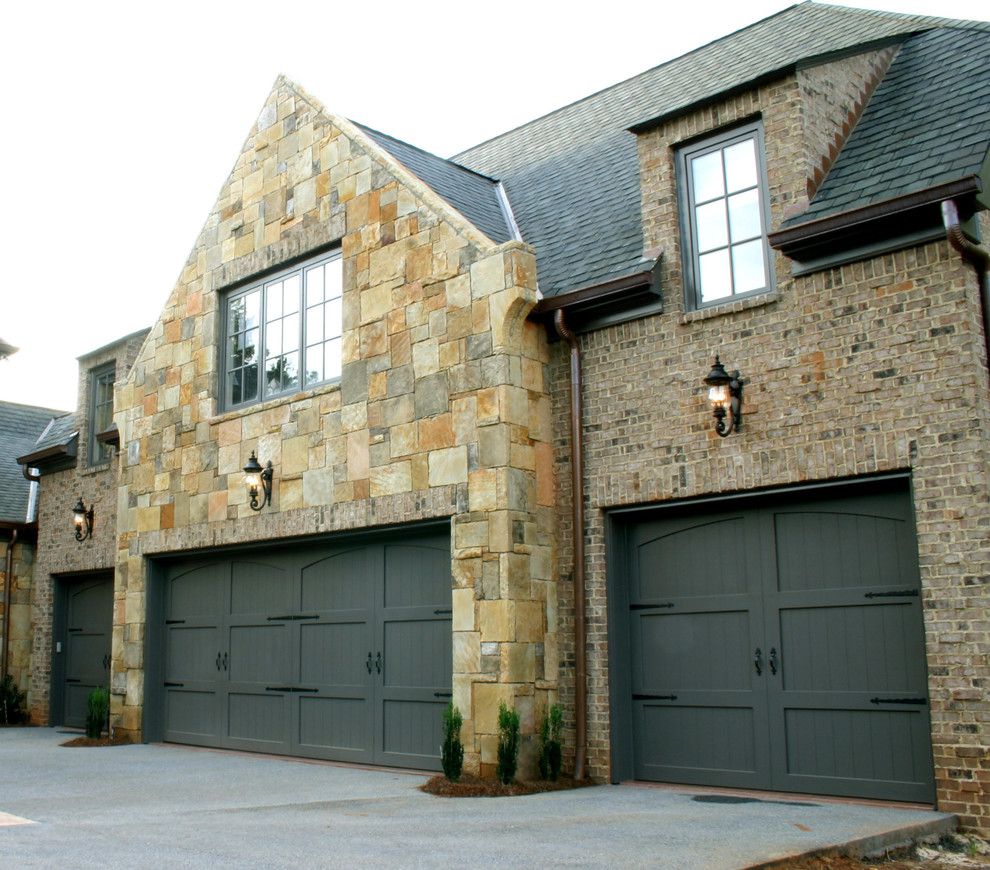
{"x":283,"y":335}
{"x":724,"y":217}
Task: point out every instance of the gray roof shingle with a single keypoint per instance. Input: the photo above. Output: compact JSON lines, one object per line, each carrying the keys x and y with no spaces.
{"x":572,"y":176}
{"x":927,"y":123}
{"x":20,"y":426}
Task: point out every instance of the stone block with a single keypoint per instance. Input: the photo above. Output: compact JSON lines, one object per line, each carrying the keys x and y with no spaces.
{"x":487,"y":699}
{"x":448,"y":466}
{"x":467,"y":652}
{"x":463,"y":610}
{"x":391,"y":479}
{"x":498,"y":620}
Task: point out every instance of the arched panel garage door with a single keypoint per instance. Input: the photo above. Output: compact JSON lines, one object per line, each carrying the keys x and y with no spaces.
{"x":341,"y":652}
{"x":778,"y":644}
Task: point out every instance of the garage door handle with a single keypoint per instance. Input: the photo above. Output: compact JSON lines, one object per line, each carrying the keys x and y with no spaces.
{"x":72,"y":680}
{"x":378,"y":663}
{"x":773,"y":660}
{"x":758,"y":661}
{"x":218,"y":661}
{"x":921,"y":701}
{"x":369,"y":663}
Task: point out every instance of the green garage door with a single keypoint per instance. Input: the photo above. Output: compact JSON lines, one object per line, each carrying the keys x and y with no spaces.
{"x":781,"y":646}
{"x":339,"y":652}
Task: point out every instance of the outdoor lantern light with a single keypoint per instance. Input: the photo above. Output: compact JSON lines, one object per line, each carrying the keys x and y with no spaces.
{"x":723,"y":389}
{"x":83,"y":519}
{"x":255,"y":476}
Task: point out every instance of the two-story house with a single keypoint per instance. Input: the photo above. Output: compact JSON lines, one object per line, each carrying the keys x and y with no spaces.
{"x":671,"y":406}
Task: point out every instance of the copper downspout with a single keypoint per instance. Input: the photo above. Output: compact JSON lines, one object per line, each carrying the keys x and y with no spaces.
{"x":975,"y":254}
{"x":7,"y":585}
{"x":577,"y":531}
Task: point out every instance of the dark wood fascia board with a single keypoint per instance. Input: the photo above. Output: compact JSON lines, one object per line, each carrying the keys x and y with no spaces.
{"x":833,"y":228}
{"x":58,"y":455}
{"x":27,"y":533}
{"x":595,"y":294}
{"x":594,"y":307}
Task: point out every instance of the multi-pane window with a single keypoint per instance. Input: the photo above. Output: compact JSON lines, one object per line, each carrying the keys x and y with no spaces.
{"x":724,"y":218}
{"x":284,"y":335}
{"x":100,"y":410}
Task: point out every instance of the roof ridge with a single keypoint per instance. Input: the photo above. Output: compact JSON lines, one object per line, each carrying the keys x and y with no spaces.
{"x":845,"y":10}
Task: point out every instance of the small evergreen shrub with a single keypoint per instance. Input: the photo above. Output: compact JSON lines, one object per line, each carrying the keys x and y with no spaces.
{"x":11,"y":701}
{"x":97,"y":707}
{"x":551,"y":755}
{"x":508,"y":744}
{"x":452,"y":752}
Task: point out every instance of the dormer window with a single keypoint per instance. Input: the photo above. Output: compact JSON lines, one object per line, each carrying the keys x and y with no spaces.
{"x":283,"y":335}
{"x":724,"y":217}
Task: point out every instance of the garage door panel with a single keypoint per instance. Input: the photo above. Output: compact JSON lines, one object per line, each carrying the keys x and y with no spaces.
{"x":196,"y":593}
{"x":703,"y":651}
{"x":413,"y":732}
{"x":702,"y":744}
{"x":335,"y":654}
{"x":416,"y":575}
{"x":417,"y":653}
{"x":339,"y":581}
{"x":857,"y":744}
{"x":681,"y":562}
{"x":851,"y":649}
{"x":336,"y":723}
{"x":259,"y":653}
{"x":809,"y":555}
{"x":259,"y":587}
{"x":191,"y":716}
{"x":192,"y":652}
{"x":257,"y":717}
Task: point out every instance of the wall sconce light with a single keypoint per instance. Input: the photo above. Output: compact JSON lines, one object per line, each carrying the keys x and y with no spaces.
{"x":83,"y":520}
{"x":257,"y":476}
{"x":723,"y":389}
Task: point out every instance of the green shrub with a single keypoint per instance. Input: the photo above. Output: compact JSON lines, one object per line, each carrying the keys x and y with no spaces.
{"x":97,"y":707}
{"x":11,"y":699}
{"x":551,"y":755}
{"x":508,"y":744}
{"x":452,"y":752}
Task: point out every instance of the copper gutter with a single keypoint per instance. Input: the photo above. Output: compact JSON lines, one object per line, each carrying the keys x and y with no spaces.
{"x":977,"y":255}
{"x":7,"y":585}
{"x":577,"y":532}
{"x":823,"y":229}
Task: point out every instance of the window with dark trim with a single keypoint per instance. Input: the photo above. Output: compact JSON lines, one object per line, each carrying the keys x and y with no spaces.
{"x":723,"y":204}
{"x":100,"y":410}
{"x":283,"y":334}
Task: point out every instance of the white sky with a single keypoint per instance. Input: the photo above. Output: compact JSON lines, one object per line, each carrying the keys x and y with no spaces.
{"x":122,"y":121}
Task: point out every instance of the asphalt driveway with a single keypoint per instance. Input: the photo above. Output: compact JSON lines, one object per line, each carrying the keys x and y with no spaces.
{"x":152,"y":806}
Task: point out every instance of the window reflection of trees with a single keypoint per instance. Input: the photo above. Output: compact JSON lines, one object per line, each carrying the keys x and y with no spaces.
{"x":290,"y":329}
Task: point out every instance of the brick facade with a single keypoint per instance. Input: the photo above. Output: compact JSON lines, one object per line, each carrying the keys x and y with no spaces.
{"x":60,"y":555}
{"x":872,"y":367}
{"x":441,"y":411}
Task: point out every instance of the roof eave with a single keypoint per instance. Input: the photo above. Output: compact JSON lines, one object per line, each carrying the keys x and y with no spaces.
{"x":832,"y":228}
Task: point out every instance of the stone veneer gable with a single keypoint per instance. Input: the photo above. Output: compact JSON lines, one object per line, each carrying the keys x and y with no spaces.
{"x":441,"y":410}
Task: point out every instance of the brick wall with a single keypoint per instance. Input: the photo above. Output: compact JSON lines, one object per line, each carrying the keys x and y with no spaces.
{"x":873,"y":367}
{"x":60,"y":555}
{"x":441,"y":409}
